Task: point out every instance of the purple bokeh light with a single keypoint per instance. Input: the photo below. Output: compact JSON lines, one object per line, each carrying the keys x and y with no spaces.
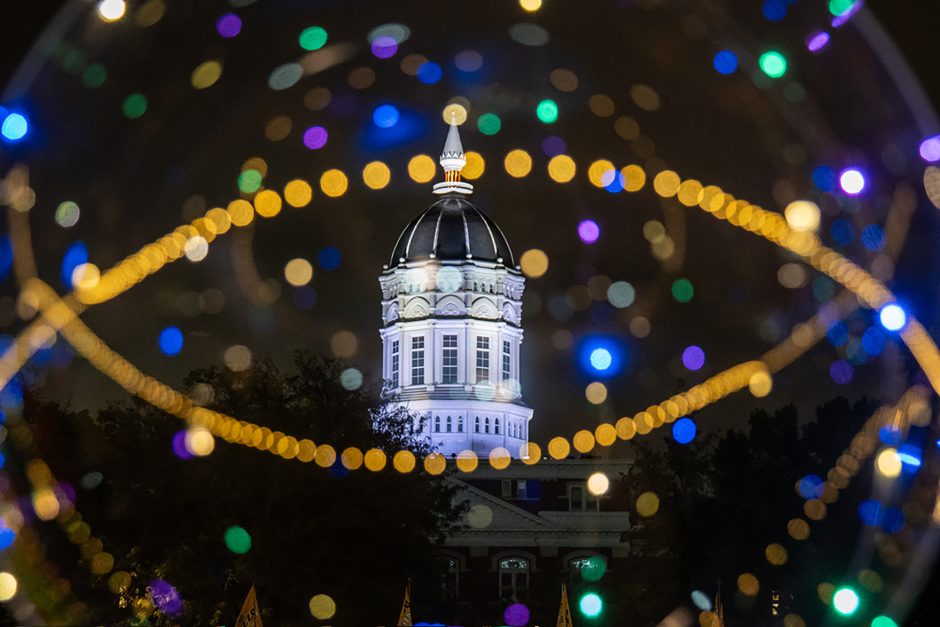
{"x":693,"y":357}
{"x":315,"y":137}
{"x":229,"y":25}
{"x":384,"y":47}
{"x":589,"y":231}
{"x":930,"y":149}
{"x":516,"y":615}
{"x":165,"y":597}
{"x":841,"y":372}
{"x":179,"y":446}
{"x":817,"y":41}
{"x":553,"y":146}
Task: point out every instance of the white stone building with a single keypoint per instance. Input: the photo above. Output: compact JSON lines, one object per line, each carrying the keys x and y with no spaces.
{"x":452,"y":322}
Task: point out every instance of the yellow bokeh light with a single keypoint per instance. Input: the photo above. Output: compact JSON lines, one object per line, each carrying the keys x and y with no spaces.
{"x":802,"y":215}
{"x":666,"y":183}
{"x":306,"y":450}
{"x":199,"y":441}
{"x":404,"y":461}
{"x":647,"y":504}
{"x":111,"y":10}
{"x":601,"y":173}
{"x":626,"y":428}
{"x":267,"y":203}
{"x":605,"y":434}
{"x":45,"y":504}
{"x":435,"y":464}
{"x":798,"y":529}
{"x":326,"y":456}
{"x":518,"y":163}
{"x":206,"y":74}
{"x":119,"y":582}
{"x":351,"y":458}
{"x":634,"y":178}
{"x":559,"y":448}
{"x":298,"y":272}
{"x":334,"y":183}
{"x":8,"y":586}
{"x":530,"y":5}
{"x":776,"y":554}
{"x":240,"y":212}
{"x":500,"y":458}
{"x":454,"y":113}
{"x":376,"y":175}
{"x":298,"y":193}
{"x":596,"y":393}
{"x":475,"y":167}
{"x":760,"y":384}
{"x":467,"y":461}
{"x":748,"y":584}
{"x":561,"y":168}
{"x":102,"y":563}
{"x":598,"y":484}
{"x":534,"y":263}
{"x":375,"y":459}
{"x":322,"y":606}
{"x":690,"y":192}
{"x":86,"y":276}
{"x":583,"y":441}
{"x":888,"y":463}
{"x":421,"y":168}
{"x":220,"y":218}
{"x":530,"y":453}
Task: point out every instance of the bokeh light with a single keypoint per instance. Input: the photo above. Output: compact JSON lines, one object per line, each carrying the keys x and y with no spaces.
{"x":845,"y":601}
{"x":312,"y":38}
{"x":547,"y":111}
{"x":683,"y":430}
{"x":892,"y":317}
{"x":591,"y":605}
{"x":773,"y":64}
{"x":171,"y":341}
{"x":693,"y":358}
{"x":14,"y":127}
{"x":589,"y":231}
{"x":237,"y":540}
{"x":852,"y":181}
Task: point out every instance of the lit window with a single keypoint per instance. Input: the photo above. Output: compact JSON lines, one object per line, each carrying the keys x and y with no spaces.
{"x":437,"y":424}
{"x":514,"y":579}
{"x":449,"y":569}
{"x":483,"y":359}
{"x":417,"y":360}
{"x":459,"y":424}
{"x":449,"y":359}
{"x":395,"y":363}
{"x":507,"y":360}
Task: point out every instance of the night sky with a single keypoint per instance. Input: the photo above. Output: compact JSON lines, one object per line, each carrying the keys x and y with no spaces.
{"x":759,"y":138}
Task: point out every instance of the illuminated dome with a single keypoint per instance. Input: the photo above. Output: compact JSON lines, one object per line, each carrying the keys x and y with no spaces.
{"x":452,"y":229}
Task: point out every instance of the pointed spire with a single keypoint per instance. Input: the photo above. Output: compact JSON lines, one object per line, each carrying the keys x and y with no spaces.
{"x":453,"y":161}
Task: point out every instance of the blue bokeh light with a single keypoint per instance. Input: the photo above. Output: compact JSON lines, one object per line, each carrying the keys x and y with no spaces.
{"x":725,"y":62}
{"x":775,"y":10}
{"x":910,"y":455}
{"x":75,"y":255}
{"x":600,"y":356}
{"x":870,"y":512}
{"x":892,"y":317}
{"x":171,"y":341}
{"x":385,"y":116}
{"x":824,"y":178}
{"x":810,"y":486}
{"x":684,"y":430}
{"x":7,"y":536}
{"x":329,"y":258}
{"x":15,"y":127}
{"x":430,"y":72}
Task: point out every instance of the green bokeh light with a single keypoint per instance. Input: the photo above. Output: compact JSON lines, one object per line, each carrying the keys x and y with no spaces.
{"x":845,"y":601}
{"x":841,"y":7}
{"x":237,"y":540}
{"x":682,"y":290}
{"x":547,"y":111}
{"x":883,"y":621}
{"x":312,"y":38}
{"x":591,"y":605}
{"x":249,"y":181}
{"x":773,"y":64}
{"x":489,"y":124}
{"x":134,"y":106}
{"x":94,"y":76}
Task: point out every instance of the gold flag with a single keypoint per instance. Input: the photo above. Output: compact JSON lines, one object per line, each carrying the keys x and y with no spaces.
{"x":564,"y":612}
{"x":250,"y":616}
{"x":404,"y":619}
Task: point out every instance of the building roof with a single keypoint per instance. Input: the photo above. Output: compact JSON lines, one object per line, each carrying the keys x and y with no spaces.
{"x":452,"y":229}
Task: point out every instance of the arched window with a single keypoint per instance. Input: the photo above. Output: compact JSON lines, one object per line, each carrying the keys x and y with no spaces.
{"x":584,"y":569}
{"x":486,"y":425}
{"x":476,"y":425}
{"x":459,"y":424}
{"x":449,"y":570}
{"x":496,"y":425}
{"x":437,"y":424}
{"x":514,"y":579}
{"x":449,"y":424}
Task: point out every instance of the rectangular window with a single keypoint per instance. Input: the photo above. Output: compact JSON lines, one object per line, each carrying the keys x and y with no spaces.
{"x":417,"y":360}
{"x":449,"y":360}
{"x":507,"y":360}
{"x":395,"y":363}
{"x":575,"y":498}
{"x":506,"y":489}
{"x":483,"y":359}
{"x":522,"y":491}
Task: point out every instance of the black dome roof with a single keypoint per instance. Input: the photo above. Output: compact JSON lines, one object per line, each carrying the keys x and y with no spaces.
{"x":452,"y":229}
